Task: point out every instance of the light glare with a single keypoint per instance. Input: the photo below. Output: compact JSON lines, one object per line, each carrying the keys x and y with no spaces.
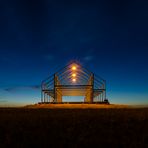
{"x":74,"y":80}
{"x":73,"y":74}
{"x":74,"y":68}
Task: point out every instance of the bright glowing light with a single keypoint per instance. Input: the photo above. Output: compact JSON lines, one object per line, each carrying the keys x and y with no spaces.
{"x":74,"y":67}
{"x":74,"y":80}
{"x":74,"y":75}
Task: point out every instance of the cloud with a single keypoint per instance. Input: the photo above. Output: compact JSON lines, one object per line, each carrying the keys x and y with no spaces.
{"x":88,"y":58}
{"x":14,"y":89}
{"x":49,"y":57}
{"x":3,"y":101}
{"x":35,"y":87}
{"x":9,"y":89}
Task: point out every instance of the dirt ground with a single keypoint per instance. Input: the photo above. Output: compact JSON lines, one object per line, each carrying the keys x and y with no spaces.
{"x":74,"y":127}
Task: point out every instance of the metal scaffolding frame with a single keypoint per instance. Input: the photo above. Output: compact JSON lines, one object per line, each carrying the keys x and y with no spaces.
{"x":73,"y":80}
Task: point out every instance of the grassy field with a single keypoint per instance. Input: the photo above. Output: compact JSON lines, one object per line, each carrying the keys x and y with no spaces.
{"x":97,"y":127}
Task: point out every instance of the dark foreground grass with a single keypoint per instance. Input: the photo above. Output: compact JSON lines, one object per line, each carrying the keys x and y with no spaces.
{"x":73,"y":128}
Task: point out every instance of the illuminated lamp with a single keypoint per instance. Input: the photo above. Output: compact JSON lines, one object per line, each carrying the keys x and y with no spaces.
{"x":74,"y":80}
{"x":74,"y":67}
{"x":74,"y":75}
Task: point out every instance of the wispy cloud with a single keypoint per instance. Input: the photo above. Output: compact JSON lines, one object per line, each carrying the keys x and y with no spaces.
{"x":49,"y":57}
{"x":14,"y":89}
{"x":35,"y":87}
{"x":3,"y":101}
{"x":9,"y":89}
{"x":88,"y":58}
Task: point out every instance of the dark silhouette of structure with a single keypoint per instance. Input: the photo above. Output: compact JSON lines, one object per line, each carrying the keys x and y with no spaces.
{"x":74,"y":80}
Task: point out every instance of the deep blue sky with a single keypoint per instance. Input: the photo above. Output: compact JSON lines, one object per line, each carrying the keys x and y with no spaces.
{"x":37,"y":37}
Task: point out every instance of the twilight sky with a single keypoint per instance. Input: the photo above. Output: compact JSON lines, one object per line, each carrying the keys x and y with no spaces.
{"x":37,"y":37}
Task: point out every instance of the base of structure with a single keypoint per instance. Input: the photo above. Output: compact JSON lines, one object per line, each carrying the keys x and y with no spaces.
{"x":104,"y":102}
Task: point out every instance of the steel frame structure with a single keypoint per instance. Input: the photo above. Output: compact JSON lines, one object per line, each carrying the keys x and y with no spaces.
{"x":73,"y":80}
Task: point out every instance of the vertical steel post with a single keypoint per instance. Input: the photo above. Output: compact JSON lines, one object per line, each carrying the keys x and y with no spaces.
{"x":55,"y":100}
{"x":41,"y":96}
{"x":93,"y":88}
